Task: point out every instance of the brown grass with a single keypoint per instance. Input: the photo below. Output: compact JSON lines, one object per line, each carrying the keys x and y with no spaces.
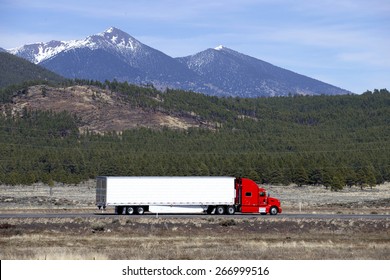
{"x":211,"y":237}
{"x":203,"y":238}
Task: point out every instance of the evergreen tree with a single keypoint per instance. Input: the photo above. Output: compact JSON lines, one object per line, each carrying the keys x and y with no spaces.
{"x":300,"y":176}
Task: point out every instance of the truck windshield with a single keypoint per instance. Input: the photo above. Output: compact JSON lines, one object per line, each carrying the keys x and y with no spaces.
{"x":262,"y":194}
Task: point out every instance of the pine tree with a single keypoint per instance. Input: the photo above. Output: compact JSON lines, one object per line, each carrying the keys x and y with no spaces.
{"x":300,"y":176}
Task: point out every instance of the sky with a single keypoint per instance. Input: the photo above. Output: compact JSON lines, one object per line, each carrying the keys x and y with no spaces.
{"x":342,"y":42}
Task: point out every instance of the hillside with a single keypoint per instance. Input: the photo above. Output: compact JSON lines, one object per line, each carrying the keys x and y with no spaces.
{"x":15,"y":70}
{"x":98,"y":110}
{"x":66,"y":134}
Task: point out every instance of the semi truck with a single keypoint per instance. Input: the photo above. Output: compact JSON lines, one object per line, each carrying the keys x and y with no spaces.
{"x":211,"y":195}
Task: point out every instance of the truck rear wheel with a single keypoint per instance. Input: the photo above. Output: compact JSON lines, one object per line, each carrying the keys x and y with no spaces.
{"x":130,"y":210}
{"x":273,"y":211}
{"x":220,"y":210}
{"x":140,"y":210}
{"x":231,"y":210}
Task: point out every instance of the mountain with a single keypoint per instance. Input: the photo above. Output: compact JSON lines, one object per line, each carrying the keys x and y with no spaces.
{"x":16,"y":70}
{"x":110,"y":55}
{"x":114,"y":54}
{"x":228,"y":72}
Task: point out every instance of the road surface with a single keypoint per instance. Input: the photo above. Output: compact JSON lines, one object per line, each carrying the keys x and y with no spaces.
{"x":194,"y":216}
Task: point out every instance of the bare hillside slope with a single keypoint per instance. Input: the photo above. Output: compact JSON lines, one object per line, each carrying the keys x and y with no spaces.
{"x":99,"y":109}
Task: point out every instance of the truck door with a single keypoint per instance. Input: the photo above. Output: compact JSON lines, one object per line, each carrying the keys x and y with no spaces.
{"x":247,"y":198}
{"x":262,"y":198}
{"x":263,"y":201}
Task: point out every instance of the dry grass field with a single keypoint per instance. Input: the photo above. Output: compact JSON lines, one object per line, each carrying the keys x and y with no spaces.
{"x":208,"y":237}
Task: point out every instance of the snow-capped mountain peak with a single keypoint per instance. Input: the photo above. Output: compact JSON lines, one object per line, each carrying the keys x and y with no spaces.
{"x":39,"y":52}
{"x":113,"y":38}
{"x":120,"y":39}
{"x":114,"y":54}
{"x":111,"y":30}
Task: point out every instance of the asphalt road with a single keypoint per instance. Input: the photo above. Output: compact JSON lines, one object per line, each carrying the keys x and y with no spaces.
{"x":195,"y":216}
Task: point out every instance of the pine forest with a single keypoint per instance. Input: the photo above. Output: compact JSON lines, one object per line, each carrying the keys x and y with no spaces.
{"x":335,"y":141}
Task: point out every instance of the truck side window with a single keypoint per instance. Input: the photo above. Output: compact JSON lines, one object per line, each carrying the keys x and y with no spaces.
{"x":262,"y":194}
{"x":248,"y":194}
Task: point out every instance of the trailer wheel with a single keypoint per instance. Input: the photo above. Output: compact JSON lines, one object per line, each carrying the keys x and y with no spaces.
{"x":231,"y":210}
{"x":273,"y":211}
{"x":140,"y":210}
{"x":220,"y":210}
{"x":130,"y":210}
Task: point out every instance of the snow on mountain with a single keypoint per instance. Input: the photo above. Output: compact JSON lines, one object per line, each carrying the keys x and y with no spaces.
{"x":112,"y":38}
{"x":120,"y":39}
{"x":114,"y":54}
{"x":230,"y":73}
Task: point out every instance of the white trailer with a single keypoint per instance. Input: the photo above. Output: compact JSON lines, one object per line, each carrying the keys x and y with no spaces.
{"x":132,"y":195}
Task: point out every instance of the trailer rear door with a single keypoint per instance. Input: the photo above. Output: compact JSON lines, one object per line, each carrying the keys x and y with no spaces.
{"x":101,"y":191}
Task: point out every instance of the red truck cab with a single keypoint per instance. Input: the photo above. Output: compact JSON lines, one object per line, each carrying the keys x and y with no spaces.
{"x":251,"y":198}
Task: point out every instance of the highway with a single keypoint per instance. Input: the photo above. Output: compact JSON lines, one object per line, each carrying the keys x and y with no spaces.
{"x":193,"y":216}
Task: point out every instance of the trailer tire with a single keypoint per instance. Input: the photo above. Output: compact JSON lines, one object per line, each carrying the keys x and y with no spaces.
{"x":140,"y":210}
{"x":273,"y":211}
{"x":220,"y":210}
{"x":130,"y":210}
{"x":231,"y":210}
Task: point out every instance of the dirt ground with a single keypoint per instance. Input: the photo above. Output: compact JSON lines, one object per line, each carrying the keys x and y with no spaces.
{"x":208,"y":237}
{"x":202,"y":238}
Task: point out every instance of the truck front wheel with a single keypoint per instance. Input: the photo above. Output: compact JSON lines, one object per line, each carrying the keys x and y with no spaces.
{"x":273,"y":211}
